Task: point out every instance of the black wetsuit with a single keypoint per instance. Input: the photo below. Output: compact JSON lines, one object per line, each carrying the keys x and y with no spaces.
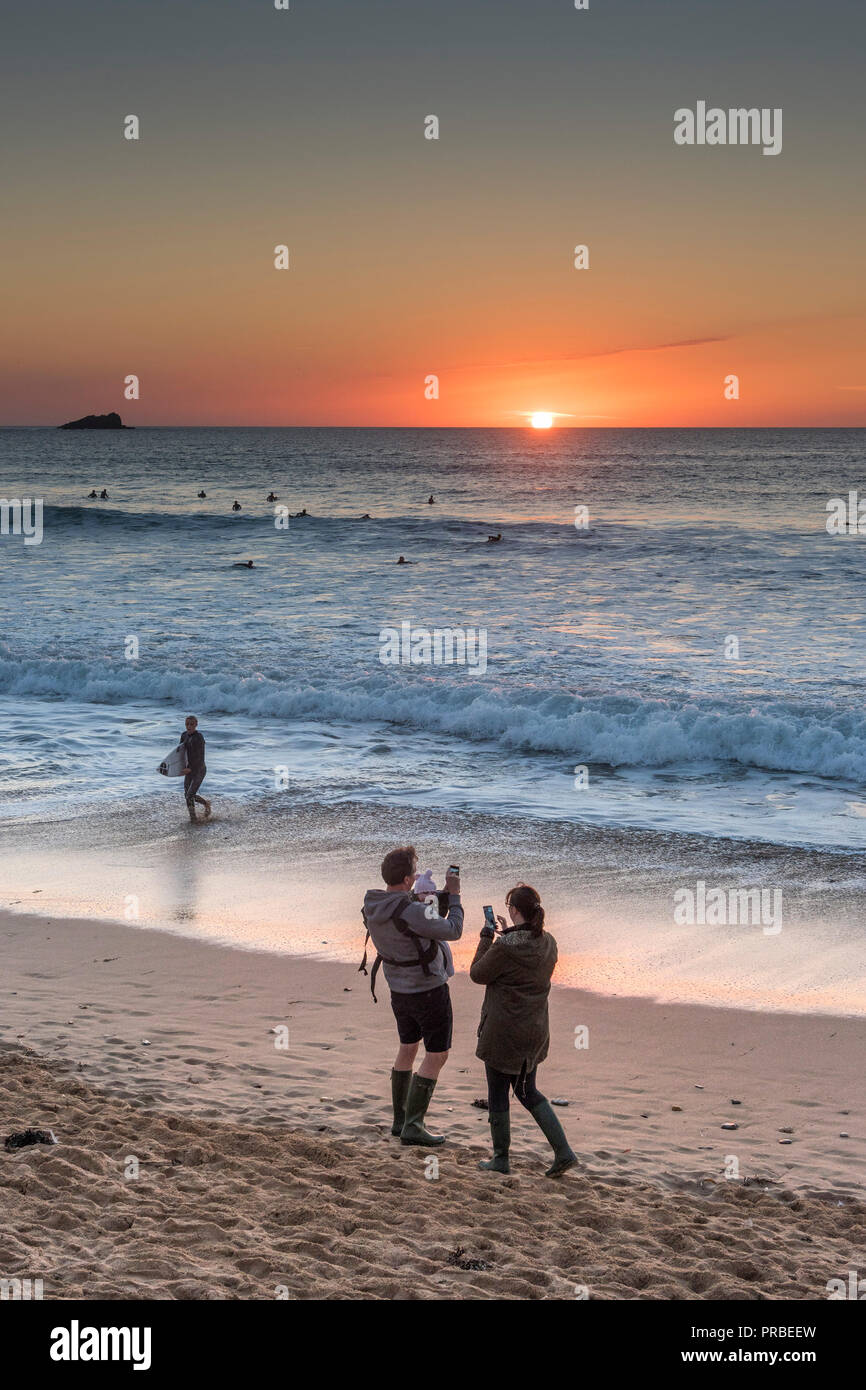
{"x":194,"y":745}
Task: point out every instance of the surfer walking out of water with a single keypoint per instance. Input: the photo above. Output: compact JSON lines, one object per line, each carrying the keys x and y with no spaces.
{"x":192,"y":743}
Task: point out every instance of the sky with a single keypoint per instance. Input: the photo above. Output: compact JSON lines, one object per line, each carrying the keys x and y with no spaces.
{"x":412,"y":258}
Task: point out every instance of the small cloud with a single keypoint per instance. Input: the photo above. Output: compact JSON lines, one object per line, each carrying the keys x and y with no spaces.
{"x":589,"y":356}
{"x":657,"y":347}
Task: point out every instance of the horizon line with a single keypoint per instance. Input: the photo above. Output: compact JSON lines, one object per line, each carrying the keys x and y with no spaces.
{"x":525,"y":428}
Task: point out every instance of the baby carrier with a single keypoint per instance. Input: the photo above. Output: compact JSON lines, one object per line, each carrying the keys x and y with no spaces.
{"x":426,"y":950}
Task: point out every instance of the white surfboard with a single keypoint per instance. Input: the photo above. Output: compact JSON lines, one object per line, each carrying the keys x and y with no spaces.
{"x":174,"y":764}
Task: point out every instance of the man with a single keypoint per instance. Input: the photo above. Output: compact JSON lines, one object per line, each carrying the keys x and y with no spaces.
{"x":411,"y":944}
{"x":194,"y":773}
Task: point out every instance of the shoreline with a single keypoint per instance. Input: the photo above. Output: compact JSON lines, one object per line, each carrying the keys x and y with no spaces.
{"x":294,"y":877}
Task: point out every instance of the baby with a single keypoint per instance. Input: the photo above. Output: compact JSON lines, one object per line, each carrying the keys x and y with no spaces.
{"x":424,"y":886}
{"x":425,"y":891}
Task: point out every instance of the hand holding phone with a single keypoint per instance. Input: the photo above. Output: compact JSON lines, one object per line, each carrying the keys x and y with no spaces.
{"x":489,"y":919}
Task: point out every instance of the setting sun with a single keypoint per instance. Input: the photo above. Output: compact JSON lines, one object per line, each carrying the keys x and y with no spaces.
{"x":541,"y":420}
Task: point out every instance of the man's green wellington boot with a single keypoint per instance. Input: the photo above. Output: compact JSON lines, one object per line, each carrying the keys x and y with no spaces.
{"x":421,"y":1089}
{"x":399,"y":1091}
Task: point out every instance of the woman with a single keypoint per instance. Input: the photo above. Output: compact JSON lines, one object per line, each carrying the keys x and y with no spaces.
{"x":514,"y":1032}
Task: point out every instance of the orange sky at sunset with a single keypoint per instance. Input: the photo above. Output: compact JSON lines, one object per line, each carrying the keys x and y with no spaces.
{"x":412,"y":257}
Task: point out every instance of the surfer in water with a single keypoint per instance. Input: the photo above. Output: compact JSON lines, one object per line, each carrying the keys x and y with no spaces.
{"x":236,"y":506}
{"x":272,"y":497}
{"x":192,"y":743}
{"x":243,"y":565}
{"x":202,"y":494}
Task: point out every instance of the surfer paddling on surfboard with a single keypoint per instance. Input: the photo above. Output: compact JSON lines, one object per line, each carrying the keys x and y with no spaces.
{"x":192,"y":743}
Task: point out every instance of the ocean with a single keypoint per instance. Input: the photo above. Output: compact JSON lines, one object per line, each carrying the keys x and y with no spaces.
{"x":672,"y":641}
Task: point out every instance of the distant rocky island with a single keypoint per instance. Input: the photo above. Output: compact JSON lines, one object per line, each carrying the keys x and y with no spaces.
{"x":97,"y":422}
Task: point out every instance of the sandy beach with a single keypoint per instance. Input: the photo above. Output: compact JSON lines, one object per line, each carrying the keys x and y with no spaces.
{"x":266,"y":1170}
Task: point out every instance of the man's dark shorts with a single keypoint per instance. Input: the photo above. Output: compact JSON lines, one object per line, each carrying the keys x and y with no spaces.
{"x":426,"y":1016}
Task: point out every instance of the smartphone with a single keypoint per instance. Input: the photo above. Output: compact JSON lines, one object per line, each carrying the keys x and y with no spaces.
{"x":488,"y":916}
{"x":454,"y":869}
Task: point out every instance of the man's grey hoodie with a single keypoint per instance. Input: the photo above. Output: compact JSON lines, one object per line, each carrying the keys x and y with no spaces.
{"x":380,"y":904}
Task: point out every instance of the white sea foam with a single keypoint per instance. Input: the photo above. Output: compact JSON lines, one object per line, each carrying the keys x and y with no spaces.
{"x":616,"y":731}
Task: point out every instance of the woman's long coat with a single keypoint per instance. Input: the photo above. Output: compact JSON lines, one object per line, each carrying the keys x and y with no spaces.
{"x":516,"y":968}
